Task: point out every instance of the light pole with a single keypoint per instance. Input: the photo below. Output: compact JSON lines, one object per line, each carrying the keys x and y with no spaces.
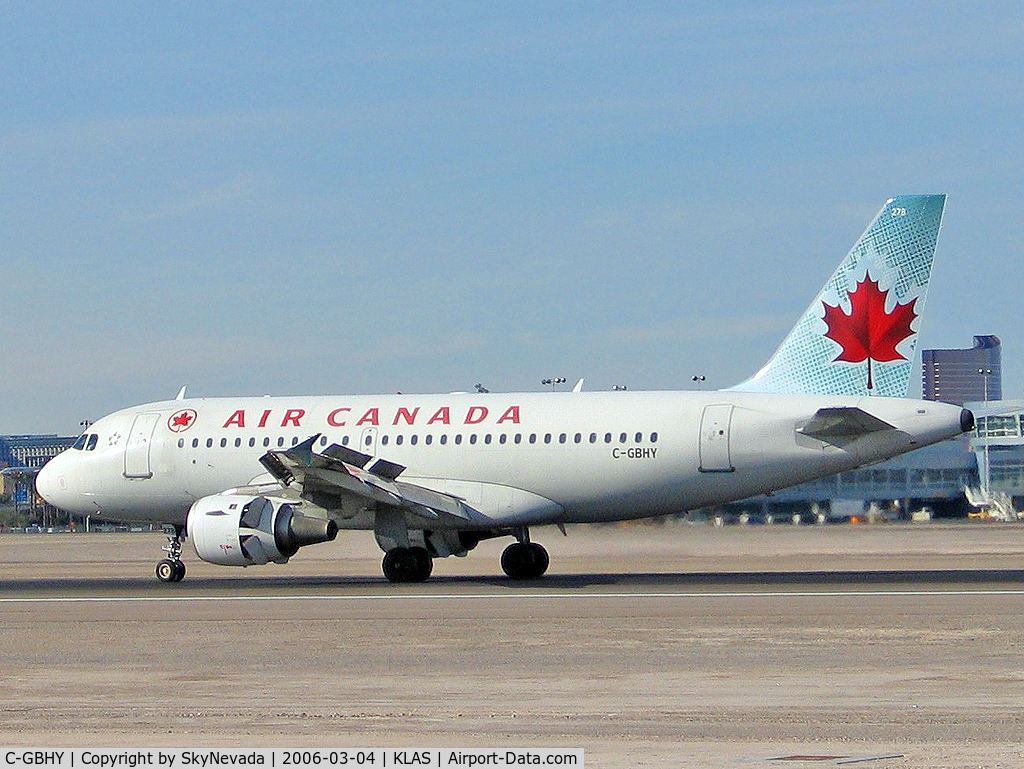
{"x":698,"y":379}
{"x":987,"y":478}
{"x":553,"y":381}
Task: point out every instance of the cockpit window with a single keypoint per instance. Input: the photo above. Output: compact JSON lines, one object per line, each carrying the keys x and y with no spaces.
{"x":80,"y":443}
{"x":92,"y":442}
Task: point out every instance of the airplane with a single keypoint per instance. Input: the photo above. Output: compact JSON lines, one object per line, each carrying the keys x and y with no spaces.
{"x":251,"y":480}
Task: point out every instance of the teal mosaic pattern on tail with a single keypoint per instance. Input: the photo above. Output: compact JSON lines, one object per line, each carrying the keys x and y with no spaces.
{"x":859,"y":335}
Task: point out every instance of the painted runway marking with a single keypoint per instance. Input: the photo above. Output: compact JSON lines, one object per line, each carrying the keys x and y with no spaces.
{"x":514,"y":596}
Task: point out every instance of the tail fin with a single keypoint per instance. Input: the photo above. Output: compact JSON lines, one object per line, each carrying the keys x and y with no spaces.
{"x":859,"y":334}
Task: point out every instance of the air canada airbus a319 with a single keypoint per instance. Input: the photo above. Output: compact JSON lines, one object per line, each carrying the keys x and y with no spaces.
{"x":251,"y":480}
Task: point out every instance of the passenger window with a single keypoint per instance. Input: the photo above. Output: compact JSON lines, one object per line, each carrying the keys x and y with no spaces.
{"x":323,"y":440}
{"x":280,"y":442}
{"x":209,"y":443}
{"x":223,"y":442}
{"x":547,"y":437}
{"x":561,"y":438}
{"x":295,"y":441}
{"x":92,"y":442}
{"x":639,"y":437}
{"x":458,"y":439}
{"x":428,"y":439}
{"x":398,"y":440}
{"x":533,"y":437}
{"x":344,"y":440}
{"x":577,"y":438}
{"x":607,"y":437}
{"x":181,"y":443}
{"x":487,"y":438}
{"x":502,"y":438}
{"x":654,"y":437}
{"x":412,"y":439}
{"x":622,"y":437}
{"x":518,"y":438}
{"x":384,"y":440}
{"x":195,"y":443}
{"x":472,"y":438}
{"x":266,"y":442}
{"x":593,"y":437}
{"x":252,"y":442}
{"x":443,"y":439}
{"x":238,"y":442}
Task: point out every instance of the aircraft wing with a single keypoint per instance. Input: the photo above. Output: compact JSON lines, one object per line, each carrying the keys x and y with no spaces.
{"x":843,"y":422}
{"x":340,"y":474}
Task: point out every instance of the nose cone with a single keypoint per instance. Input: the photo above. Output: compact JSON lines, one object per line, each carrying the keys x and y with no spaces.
{"x":966,"y":420}
{"x":52,"y":484}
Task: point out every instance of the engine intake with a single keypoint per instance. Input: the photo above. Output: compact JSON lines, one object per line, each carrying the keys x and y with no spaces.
{"x":243,"y":530}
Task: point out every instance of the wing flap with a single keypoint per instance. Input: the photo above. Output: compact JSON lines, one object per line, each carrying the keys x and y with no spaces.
{"x":340,"y":473}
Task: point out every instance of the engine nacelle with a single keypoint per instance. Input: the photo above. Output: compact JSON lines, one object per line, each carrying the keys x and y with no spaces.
{"x":243,"y":530}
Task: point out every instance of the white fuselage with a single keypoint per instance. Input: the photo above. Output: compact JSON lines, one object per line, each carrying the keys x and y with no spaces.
{"x":518,"y":458}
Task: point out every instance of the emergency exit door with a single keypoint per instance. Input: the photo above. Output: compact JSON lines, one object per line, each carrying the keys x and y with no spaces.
{"x":714,"y":439}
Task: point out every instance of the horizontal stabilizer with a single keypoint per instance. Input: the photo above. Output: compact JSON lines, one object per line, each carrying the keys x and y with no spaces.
{"x":843,"y":422}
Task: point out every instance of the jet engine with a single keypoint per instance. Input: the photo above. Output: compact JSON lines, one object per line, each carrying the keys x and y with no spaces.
{"x":243,"y":530}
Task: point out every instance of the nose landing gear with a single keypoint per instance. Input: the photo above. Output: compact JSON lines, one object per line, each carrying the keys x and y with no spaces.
{"x":172,"y":568}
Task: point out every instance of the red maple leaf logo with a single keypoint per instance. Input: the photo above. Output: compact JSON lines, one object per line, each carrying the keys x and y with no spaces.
{"x":869,"y":332}
{"x":180,"y":421}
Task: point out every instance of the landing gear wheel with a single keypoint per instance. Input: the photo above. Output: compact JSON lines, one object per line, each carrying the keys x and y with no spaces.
{"x":524,"y":560}
{"x":171,"y":569}
{"x":540,"y":559}
{"x":168,"y":570}
{"x":403,"y":564}
{"x":424,"y":564}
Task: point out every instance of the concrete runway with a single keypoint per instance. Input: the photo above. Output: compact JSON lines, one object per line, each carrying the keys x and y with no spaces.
{"x":682,"y":646}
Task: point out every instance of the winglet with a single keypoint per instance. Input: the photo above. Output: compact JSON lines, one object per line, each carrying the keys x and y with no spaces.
{"x":303,"y":452}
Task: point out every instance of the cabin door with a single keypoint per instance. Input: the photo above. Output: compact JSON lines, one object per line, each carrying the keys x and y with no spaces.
{"x":140,"y":441}
{"x":714,"y":439}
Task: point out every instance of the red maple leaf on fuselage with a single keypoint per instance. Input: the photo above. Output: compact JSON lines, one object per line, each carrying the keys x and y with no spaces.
{"x":869,"y":332}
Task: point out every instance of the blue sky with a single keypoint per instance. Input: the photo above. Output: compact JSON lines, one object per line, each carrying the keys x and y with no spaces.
{"x":292,"y":198}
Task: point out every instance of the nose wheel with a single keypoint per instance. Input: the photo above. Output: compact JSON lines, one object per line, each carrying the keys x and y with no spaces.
{"x":170,"y":571}
{"x":172,"y":568}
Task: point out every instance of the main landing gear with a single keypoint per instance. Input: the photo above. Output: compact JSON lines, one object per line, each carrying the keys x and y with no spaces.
{"x":521,"y":560}
{"x":407,"y":564}
{"x":524,"y":560}
{"x":172,"y":568}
